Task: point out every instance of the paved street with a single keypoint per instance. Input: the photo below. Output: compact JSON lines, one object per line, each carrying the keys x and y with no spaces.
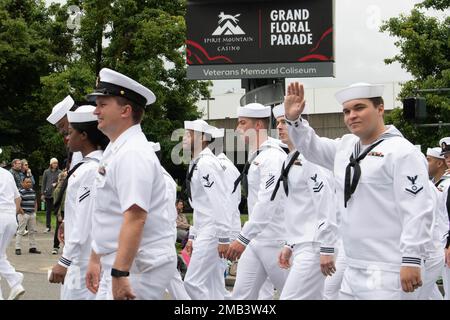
{"x":34,"y":268}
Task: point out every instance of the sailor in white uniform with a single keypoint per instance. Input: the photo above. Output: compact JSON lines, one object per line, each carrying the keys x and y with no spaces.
{"x":383,"y":190}
{"x":176,"y":286}
{"x":210,"y":236}
{"x":9,"y":204}
{"x":58,"y":118}
{"x":131,"y":241}
{"x":231,"y":174}
{"x":310,"y":221}
{"x":443,"y":185}
{"x":434,"y":264}
{"x":263,"y":235}
{"x":84,"y":137}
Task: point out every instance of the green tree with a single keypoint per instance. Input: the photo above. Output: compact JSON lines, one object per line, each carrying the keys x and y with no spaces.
{"x":42,"y":61}
{"x":32,"y":46}
{"x":424,"y":52}
{"x":144,"y":40}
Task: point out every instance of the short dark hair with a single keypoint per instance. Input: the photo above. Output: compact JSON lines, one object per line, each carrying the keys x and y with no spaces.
{"x":377,"y":101}
{"x":265,"y":121}
{"x":95,"y":136}
{"x":137,"y":112}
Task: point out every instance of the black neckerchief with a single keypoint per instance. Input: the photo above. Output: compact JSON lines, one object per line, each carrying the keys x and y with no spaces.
{"x":189,"y":174}
{"x":243,"y":176}
{"x":349,"y":188}
{"x":284,"y":176}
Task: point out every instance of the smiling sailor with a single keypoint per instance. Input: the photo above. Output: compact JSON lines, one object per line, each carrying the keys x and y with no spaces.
{"x":130,"y":240}
{"x":382,"y":189}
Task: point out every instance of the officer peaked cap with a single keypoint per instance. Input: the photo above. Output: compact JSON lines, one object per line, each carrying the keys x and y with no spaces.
{"x":113,"y":83}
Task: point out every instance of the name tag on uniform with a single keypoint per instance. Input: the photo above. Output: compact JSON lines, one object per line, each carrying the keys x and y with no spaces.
{"x":375,"y":154}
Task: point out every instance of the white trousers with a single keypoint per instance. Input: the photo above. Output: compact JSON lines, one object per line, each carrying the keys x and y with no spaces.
{"x":74,"y":287}
{"x":305,"y":280}
{"x":432,"y":270}
{"x":258,"y":262}
{"x":219,"y":281}
{"x":176,"y":287}
{"x":8,"y":227}
{"x":373,"y":284}
{"x":150,"y":273}
{"x":333,"y":283}
{"x":267,"y":291}
{"x":204,"y":279}
{"x":446,"y":280}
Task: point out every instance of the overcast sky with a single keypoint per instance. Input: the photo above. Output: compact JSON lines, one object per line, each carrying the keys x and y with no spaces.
{"x":360,"y":48}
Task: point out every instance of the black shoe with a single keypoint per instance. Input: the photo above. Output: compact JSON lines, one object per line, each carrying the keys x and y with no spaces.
{"x":18,"y":252}
{"x":34,"y":250}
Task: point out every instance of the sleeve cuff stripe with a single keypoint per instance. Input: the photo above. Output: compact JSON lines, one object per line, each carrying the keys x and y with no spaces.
{"x":65,"y":261}
{"x":294,"y":123}
{"x":224,"y":240}
{"x":327,"y":250}
{"x":411,"y":260}
{"x":243,"y":240}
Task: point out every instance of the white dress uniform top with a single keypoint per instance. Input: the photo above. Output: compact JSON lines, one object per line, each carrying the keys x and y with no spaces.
{"x":211,"y":221}
{"x":444,"y":203}
{"x":388,"y":219}
{"x":8,"y":226}
{"x":310,"y":220}
{"x":59,"y":111}
{"x":176,"y":286}
{"x":130,"y":174}
{"x":434,"y":264}
{"x":231,"y":174}
{"x":264,"y":232}
{"x":78,"y":209}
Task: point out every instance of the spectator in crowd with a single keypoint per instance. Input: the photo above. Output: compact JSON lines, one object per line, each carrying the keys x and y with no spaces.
{"x":59,"y":234}
{"x":26,"y":172}
{"x":27,"y":216}
{"x":15,"y":170}
{"x":182,"y":223}
{"x":49,"y":182}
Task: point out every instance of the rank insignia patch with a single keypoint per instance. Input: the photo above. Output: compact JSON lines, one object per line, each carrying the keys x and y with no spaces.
{"x":208,"y":184}
{"x":414,"y":189}
{"x":318,"y":185}
{"x":270,"y":181}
